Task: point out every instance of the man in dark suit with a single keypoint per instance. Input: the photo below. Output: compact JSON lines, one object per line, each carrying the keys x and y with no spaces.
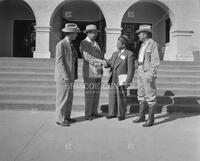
{"x":65,"y":73}
{"x":122,"y":67}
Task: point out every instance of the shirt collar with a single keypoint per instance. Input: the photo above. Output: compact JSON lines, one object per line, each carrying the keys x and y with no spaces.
{"x":122,"y":50}
{"x":89,"y":40}
{"x":67,"y":39}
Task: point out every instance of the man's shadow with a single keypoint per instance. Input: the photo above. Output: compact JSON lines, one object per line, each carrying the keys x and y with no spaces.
{"x":82,"y":118}
{"x":174,"y":116}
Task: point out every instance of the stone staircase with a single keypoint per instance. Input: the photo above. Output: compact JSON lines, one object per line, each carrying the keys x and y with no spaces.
{"x":29,"y":84}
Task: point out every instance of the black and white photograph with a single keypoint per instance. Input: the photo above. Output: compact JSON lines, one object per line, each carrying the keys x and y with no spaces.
{"x":99,"y":80}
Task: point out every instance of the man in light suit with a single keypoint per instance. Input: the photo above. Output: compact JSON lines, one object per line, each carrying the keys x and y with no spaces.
{"x":92,"y":71}
{"x":148,"y":62}
{"x":122,"y":63}
{"x":65,"y":73}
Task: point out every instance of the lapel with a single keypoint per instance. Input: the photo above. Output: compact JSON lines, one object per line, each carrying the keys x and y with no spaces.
{"x":114,"y":59}
{"x":95,"y":45}
{"x":67,"y":45}
{"x":119,"y":59}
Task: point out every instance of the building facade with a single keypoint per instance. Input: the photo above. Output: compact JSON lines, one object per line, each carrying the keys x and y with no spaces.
{"x":32,"y":28}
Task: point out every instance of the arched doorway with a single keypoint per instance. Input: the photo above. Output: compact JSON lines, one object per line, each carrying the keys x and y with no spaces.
{"x":17,"y":23}
{"x":82,"y":13}
{"x":155,"y":14}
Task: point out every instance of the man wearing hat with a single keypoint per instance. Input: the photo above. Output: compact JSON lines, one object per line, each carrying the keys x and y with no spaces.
{"x":92,"y":71}
{"x":148,"y":62}
{"x":65,"y":73}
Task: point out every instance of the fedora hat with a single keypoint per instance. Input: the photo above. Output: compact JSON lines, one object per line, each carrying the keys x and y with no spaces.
{"x":71,"y":28}
{"x":91,"y":28}
{"x":144,"y":28}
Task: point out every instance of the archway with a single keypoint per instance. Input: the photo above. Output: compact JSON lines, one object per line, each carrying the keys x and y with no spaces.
{"x":153,"y":13}
{"x":82,"y":13}
{"x":17,"y":23}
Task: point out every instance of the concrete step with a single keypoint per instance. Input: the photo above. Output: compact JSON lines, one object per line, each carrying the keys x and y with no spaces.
{"x":170,"y":78}
{"x":11,"y":69}
{"x":22,"y":82}
{"x":178,"y":73}
{"x":26,"y":75}
{"x":176,"y":90}
{"x":37,"y":97}
{"x":33,"y":106}
{"x":174,"y":85}
{"x":180,"y":68}
{"x":180,"y":63}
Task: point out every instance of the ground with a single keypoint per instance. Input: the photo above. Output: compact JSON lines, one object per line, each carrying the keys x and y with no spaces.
{"x":34,"y":136}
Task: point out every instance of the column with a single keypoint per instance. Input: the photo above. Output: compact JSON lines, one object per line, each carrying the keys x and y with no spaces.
{"x":179,"y":47}
{"x":42,"y":42}
{"x":111,"y":40}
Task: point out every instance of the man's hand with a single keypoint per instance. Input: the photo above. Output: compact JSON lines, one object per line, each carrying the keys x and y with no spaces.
{"x":126,"y":84}
{"x":104,"y":63}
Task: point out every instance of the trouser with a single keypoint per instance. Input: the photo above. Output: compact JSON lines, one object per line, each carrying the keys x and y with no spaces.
{"x":117,"y":100}
{"x":64,"y":99}
{"x":146,"y":91}
{"x":92,"y":94}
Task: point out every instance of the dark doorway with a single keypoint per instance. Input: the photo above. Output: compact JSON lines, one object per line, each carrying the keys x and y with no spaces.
{"x":23,"y":38}
{"x":130,"y":29}
{"x":101,"y":39}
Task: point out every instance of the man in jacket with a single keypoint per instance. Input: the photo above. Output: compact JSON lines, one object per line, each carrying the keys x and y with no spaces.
{"x":122,"y":67}
{"x":65,"y":73}
{"x":92,"y":71}
{"x":148,"y":62}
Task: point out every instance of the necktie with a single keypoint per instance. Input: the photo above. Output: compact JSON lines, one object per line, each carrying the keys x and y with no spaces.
{"x":73,"y":50}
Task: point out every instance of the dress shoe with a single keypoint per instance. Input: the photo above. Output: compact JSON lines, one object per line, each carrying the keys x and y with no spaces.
{"x":149,"y":123}
{"x":110,"y":117}
{"x":139,"y":119}
{"x":97,"y":115}
{"x":120,"y":118}
{"x":71,"y":120}
{"x":63,"y":123}
{"x":88,"y":118}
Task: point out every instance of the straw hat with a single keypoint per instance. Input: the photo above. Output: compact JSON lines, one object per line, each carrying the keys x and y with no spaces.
{"x":71,"y":28}
{"x":90,"y":28}
{"x":144,"y":28}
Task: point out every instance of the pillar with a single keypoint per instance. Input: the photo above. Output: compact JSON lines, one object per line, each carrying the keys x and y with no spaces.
{"x":42,"y":42}
{"x":111,"y":43}
{"x":179,"y":47}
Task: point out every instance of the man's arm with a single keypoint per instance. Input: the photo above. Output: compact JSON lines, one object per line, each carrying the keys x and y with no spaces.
{"x":155,"y":59}
{"x":60,"y":65}
{"x":84,"y":49}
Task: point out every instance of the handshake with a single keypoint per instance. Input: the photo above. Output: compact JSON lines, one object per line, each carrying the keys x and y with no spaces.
{"x":102,"y":63}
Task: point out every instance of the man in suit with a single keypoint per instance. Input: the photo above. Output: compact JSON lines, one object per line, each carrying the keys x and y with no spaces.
{"x":92,"y":71}
{"x":122,"y":67}
{"x":148,"y":62}
{"x":65,"y":73}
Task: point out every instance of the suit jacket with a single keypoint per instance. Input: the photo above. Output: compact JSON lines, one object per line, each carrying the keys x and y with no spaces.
{"x":151,"y":58}
{"x":66,"y":60}
{"x":92,"y":59}
{"x":124,"y":64}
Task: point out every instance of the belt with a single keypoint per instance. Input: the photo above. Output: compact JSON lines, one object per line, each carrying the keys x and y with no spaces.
{"x":140,"y":63}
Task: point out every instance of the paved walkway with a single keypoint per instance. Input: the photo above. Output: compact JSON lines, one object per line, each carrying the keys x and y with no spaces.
{"x":34,"y":136}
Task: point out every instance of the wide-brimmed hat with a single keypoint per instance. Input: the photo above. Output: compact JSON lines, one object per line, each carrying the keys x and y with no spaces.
{"x":71,"y":28}
{"x":144,"y":28}
{"x":91,"y":28}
